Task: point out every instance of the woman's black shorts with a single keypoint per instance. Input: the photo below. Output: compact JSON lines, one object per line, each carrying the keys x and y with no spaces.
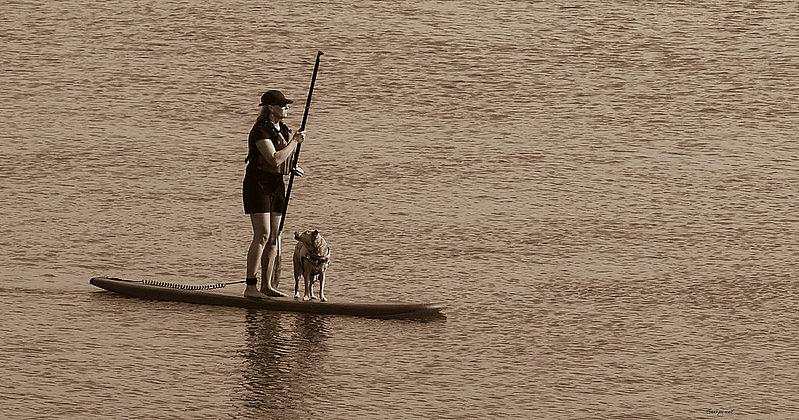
{"x":263,"y":192}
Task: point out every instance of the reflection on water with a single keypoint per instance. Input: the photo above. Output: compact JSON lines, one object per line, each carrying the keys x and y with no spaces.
{"x":282,"y":354}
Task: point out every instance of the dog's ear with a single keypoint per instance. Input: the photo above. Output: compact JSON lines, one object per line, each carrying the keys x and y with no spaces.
{"x":296,"y":235}
{"x":315,"y":233}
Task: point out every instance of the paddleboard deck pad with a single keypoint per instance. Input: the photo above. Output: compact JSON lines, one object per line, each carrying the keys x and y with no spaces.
{"x":190,"y":294}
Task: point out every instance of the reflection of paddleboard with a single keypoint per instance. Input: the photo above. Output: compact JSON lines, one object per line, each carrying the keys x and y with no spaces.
{"x":153,"y":291}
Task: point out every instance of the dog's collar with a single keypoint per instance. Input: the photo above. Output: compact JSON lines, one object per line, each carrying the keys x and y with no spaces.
{"x":319,"y":259}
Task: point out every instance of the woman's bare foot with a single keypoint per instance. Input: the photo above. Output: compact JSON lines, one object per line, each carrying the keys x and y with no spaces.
{"x":268,"y":291}
{"x":252,"y":292}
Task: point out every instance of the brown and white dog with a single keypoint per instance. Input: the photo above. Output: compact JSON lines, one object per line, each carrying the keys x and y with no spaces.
{"x":311,"y":259}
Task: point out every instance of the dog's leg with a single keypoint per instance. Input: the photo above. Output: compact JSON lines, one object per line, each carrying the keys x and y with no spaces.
{"x":307,"y":274}
{"x":298,"y":268}
{"x":313,"y":280}
{"x":322,"y":287}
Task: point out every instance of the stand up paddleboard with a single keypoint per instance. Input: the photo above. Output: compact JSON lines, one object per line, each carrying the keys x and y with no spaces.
{"x":195,"y":294}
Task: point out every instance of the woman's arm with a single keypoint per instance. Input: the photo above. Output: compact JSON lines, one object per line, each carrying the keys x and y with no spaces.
{"x":275,"y":158}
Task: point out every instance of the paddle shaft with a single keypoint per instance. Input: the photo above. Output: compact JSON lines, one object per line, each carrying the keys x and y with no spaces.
{"x":297,"y":152}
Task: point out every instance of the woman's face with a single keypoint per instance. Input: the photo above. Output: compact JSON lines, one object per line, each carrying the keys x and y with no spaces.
{"x":279,"y":111}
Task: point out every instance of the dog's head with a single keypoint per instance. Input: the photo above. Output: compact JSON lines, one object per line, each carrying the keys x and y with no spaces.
{"x":318,"y":250}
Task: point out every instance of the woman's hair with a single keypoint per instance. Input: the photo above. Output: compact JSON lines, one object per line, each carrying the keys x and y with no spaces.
{"x":263,"y":114}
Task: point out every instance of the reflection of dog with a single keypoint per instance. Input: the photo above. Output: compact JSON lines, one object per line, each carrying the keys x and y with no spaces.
{"x":311,"y":258}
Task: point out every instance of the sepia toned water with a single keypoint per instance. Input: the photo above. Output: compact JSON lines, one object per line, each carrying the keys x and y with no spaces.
{"x":603,"y":194}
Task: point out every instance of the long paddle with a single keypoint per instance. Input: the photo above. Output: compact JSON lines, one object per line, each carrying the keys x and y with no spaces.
{"x":302,"y":128}
{"x":276,"y":270}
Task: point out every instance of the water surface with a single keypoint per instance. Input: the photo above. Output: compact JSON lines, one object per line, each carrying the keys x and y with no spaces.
{"x":603,"y":194}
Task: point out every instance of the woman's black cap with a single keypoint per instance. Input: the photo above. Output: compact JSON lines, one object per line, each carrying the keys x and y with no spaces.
{"x":274,"y":97}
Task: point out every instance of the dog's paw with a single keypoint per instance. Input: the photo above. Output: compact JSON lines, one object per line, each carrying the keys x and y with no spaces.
{"x":296,"y":295}
{"x":306,"y":298}
{"x":322,"y":298}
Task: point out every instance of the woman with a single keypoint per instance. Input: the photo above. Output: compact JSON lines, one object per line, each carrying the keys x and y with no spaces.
{"x":264,"y":191}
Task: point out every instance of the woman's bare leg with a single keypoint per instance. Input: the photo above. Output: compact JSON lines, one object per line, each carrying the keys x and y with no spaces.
{"x":260,"y":235}
{"x":268,"y":261}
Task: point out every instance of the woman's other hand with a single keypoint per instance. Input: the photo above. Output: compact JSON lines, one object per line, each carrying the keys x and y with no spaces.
{"x":299,"y":137}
